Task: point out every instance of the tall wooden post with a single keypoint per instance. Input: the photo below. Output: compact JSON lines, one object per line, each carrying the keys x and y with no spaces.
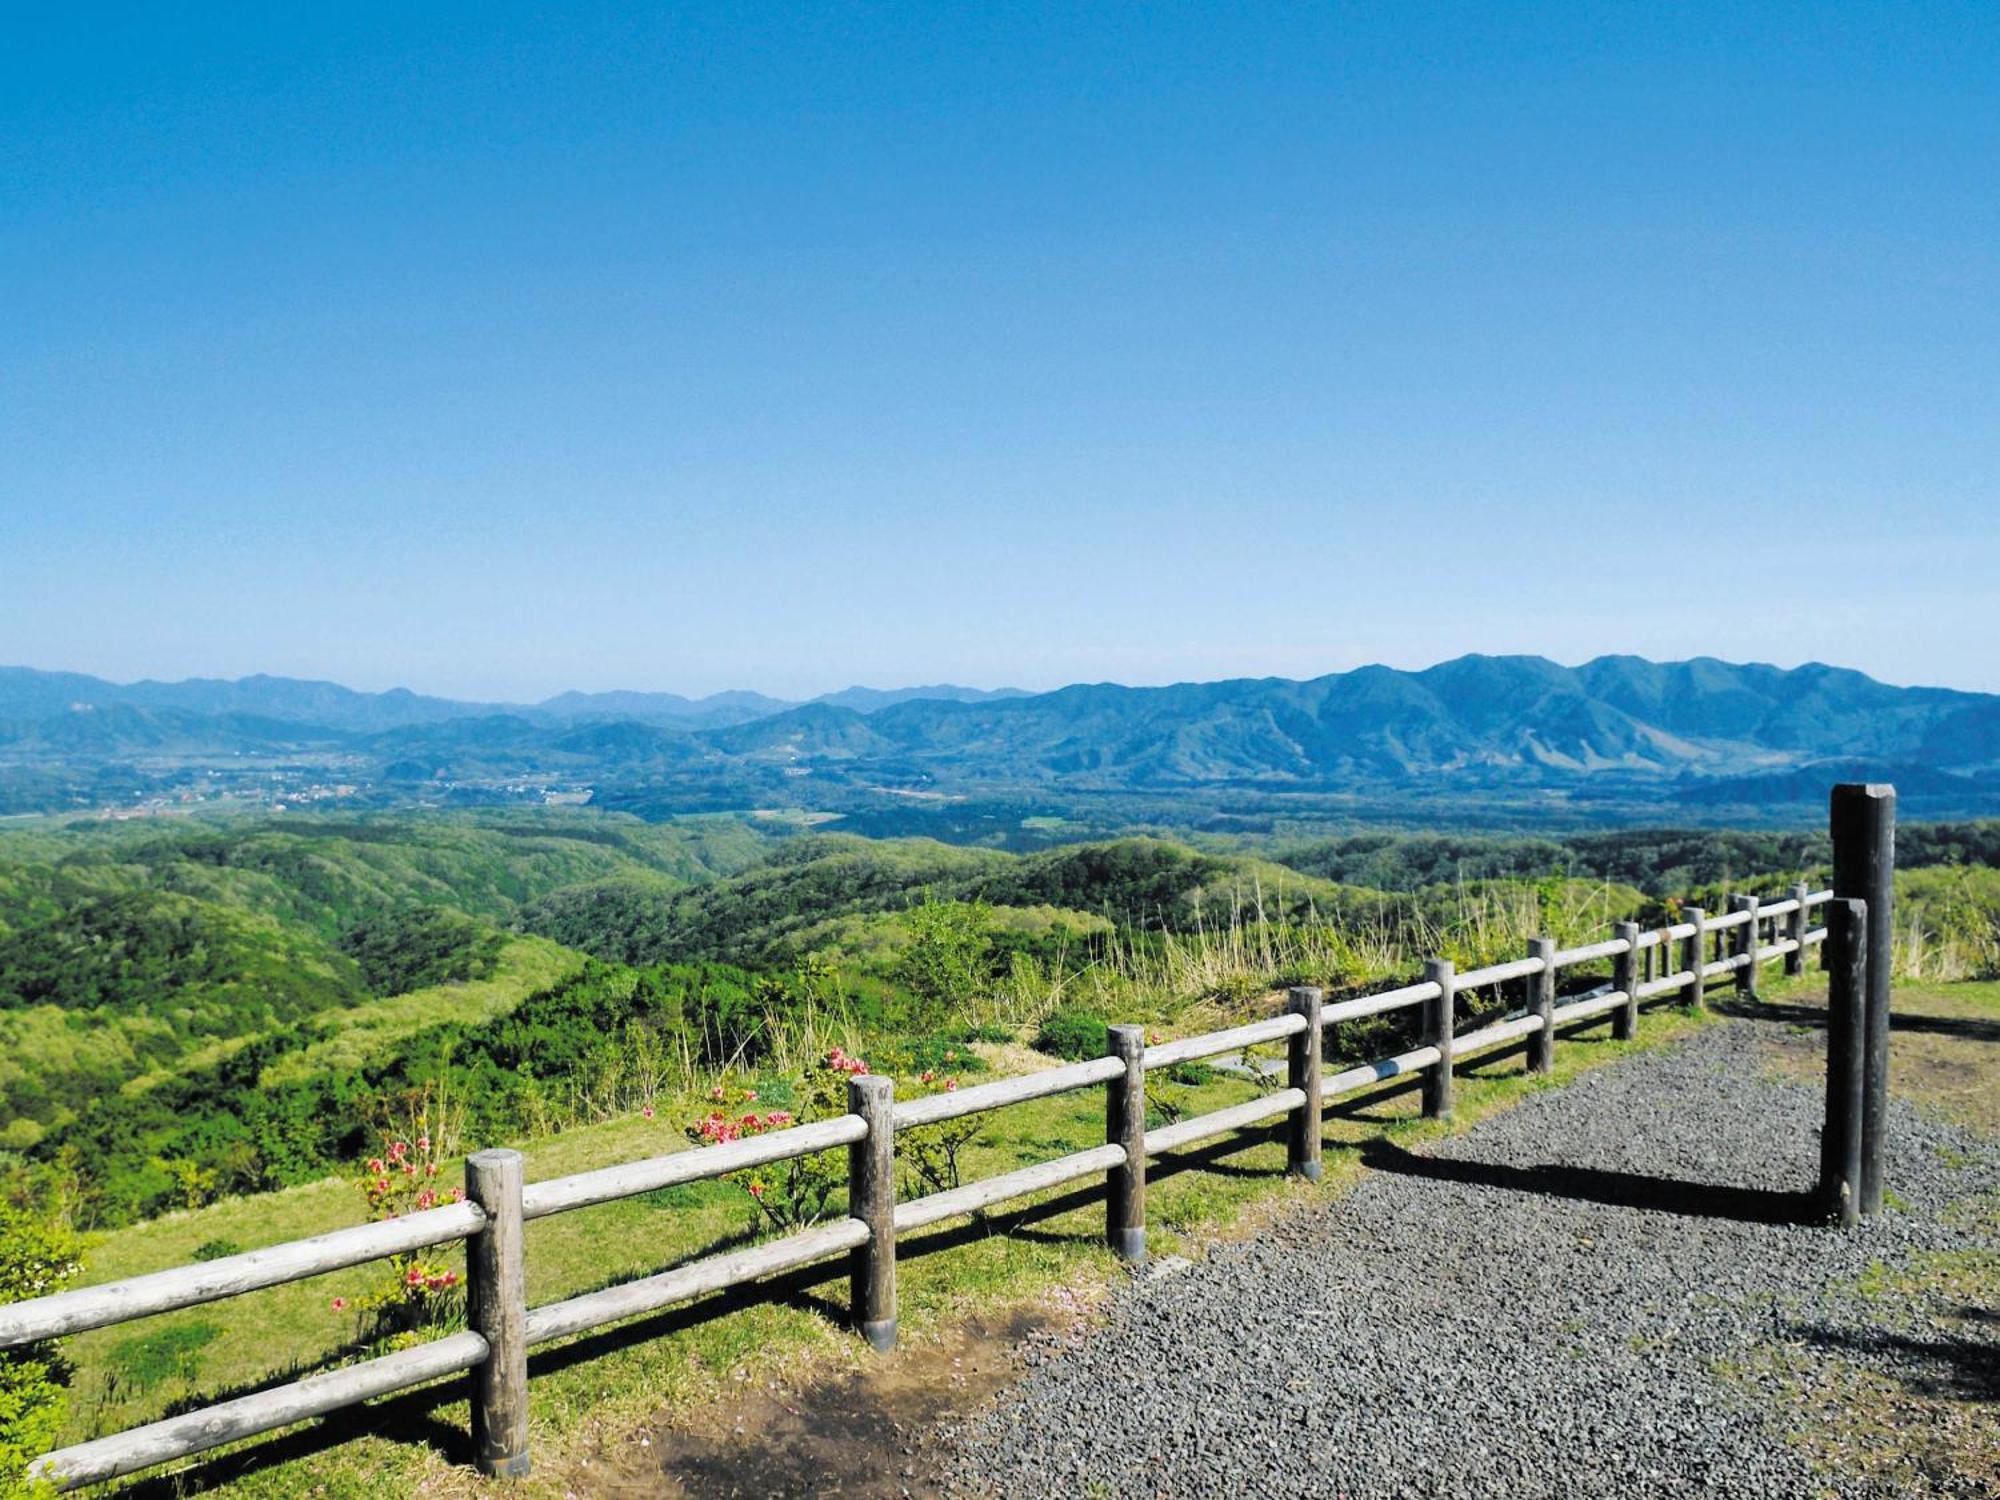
{"x":871,"y":1198}
{"x":1694,"y":954}
{"x":1795,"y":930}
{"x":496,"y":1308}
{"x":1542,"y":1002}
{"x":1125,"y":1125}
{"x":1846,"y":1040}
{"x":1625,"y":977}
{"x":1863,"y":818}
{"x":1745,"y":945}
{"x":1438,"y":1013}
{"x":1302,"y":1067}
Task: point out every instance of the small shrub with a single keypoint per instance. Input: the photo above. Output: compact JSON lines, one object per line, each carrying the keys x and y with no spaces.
{"x":931,"y":1151}
{"x":1193,"y":1074}
{"x":37,"y":1256}
{"x":216,"y":1249}
{"x":1073,"y":1035}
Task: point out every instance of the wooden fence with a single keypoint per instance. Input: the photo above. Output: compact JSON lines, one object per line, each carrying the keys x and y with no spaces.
{"x":1674,"y":964}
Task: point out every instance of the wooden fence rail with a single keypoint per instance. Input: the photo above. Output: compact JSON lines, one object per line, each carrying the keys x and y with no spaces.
{"x":502,"y":1328}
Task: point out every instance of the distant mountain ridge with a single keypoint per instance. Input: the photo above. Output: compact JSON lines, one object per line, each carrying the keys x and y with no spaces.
{"x":1703,"y":730}
{"x":27,"y":693}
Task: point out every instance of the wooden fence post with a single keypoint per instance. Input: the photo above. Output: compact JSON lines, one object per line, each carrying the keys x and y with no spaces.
{"x":1302,"y":1067}
{"x":496,"y":1308}
{"x":1863,"y":819}
{"x":1693,"y":956}
{"x":1846,"y":1040}
{"x":1438,"y":1013}
{"x":1542,"y":1002}
{"x":1125,"y":1125}
{"x":1745,"y":945}
{"x":1795,"y":929}
{"x":871,"y":1198}
{"x":1625,"y":976}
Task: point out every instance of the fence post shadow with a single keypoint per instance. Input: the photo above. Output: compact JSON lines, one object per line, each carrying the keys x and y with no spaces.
{"x":1695,"y":1200}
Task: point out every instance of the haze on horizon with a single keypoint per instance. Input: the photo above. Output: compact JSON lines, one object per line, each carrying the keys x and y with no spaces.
{"x":491,"y":356}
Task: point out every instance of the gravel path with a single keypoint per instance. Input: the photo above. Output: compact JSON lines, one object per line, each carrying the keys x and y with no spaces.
{"x":1536,"y":1307}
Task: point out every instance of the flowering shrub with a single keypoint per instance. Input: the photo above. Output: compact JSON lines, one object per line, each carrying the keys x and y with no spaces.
{"x":38,"y":1256}
{"x":931,"y":1151}
{"x":415,"y":1293}
{"x":788,"y":1194}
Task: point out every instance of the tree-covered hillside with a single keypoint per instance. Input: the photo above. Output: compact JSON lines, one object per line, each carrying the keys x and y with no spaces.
{"x":206,"y":1007}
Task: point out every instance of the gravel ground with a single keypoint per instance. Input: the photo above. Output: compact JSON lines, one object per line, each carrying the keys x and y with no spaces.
{"x":1536,"y":1307}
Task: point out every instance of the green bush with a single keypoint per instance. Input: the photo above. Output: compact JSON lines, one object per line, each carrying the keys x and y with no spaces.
{"x":1073,"y":1034}
{"x":37,"y":1257}
{"x":216,"y":1249}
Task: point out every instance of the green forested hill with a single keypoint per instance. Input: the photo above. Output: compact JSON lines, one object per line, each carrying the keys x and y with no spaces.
{"x":207,"y":1007}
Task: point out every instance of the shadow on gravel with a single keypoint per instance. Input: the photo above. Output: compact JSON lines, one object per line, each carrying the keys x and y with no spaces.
{"x":1957,"y":1369}
{"x":1699,"y":1200}
{"x":1968,"y":1029}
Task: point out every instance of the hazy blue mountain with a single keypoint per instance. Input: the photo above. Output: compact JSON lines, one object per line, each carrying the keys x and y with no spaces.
{"x":714,"y":711}
{"x":1698,"y":731}
{"x":866,"y":699}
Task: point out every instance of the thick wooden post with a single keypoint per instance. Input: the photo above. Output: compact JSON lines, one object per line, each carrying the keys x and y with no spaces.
{"x":1125,"y":1125}
{"x":1438,"y":1013}
{"x":1542,"y":1002}
{"x":1745,"y":944}
{"x":1795,"y":929}
{"x":1846,"y":1040}
{"x":1694,"y":953}
{"x":496,"y":1308}
{"x":871,"y":1198}
{"x":1864,"y":869}
{"x":1302,"y":1067}
{"x":1625,"y":976}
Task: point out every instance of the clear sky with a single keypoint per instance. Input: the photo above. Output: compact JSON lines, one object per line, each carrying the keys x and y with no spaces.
{"x":494,"y":350}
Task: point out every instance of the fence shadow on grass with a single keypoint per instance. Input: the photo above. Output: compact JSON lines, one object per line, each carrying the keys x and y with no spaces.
{"x":1967,"y":1028}
{"x":1696,"y":1200}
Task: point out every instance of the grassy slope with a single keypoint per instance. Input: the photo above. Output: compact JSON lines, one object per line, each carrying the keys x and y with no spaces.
{"x":681,"y":1358}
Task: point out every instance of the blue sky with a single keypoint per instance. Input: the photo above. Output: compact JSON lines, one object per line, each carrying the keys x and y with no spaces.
{"x":498,"y":350}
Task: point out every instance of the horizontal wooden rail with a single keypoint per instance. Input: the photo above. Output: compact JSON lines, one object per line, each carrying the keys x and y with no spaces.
{"x":1375,"y":1005}
{"x":1519,"y":968}
{"x":629,"y":1299}
{"x":210,"y":1281}
{"x":246,"y":1416}
{"x":1021,"y":1183}
{"x":1222,"y":1121}
{"x":1235,"y":1039}
{"x":629,"y":1179}
{"x":868,"y":1233}
{"x":951,"y":1104}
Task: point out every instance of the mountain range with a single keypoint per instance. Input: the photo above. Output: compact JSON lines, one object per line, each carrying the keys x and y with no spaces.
{"x":1701,"y":731}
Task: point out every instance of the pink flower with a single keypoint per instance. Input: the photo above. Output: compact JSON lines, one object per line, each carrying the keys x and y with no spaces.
{"x":929,"y":1076}
{"x":340,"y":1304}
{"x":756,"y":1189}
{"x":749,"y":1094}
{"x":458,"y":1195}
{"x":716,"y":1092}
{"x":646,"y":1113}
{"x":424,"y":1144}
{"x":950,"y":1084}
{"x":375,"y":1165}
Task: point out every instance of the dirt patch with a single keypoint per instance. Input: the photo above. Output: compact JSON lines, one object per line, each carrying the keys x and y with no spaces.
{"x":857,"y":1434}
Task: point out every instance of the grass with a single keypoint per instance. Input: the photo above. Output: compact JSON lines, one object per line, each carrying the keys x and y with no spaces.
{"x":595,"y":1395}
{"x":1929,"y":1430}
